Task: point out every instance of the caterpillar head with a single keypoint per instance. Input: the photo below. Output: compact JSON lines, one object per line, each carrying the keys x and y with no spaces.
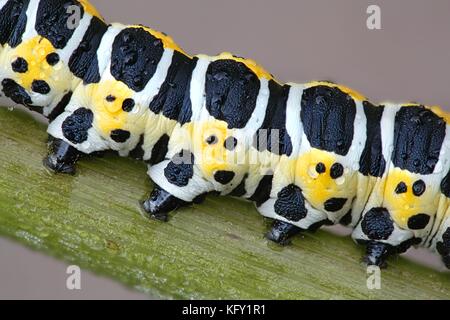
{"x":33,"y":75}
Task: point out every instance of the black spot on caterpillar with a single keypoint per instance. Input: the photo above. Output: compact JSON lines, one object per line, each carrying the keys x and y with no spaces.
{"x":419,"y":135}
{"x":290,"y":203}
{"x":15,"y":92}
{"x":180,"y":169}
{"x":334,"y":204}
{"x":75,"y":127}
{"x":418,"y":221}
{"x":40,"y":86}
{"x":20,"y":65}
{"x":328,"y":115}
{"x":224,"y":177}
{"x":306,"y":154}
{"x":377,"y":224}
{"x":133,"y":61}
{"x":231,"y":92}
{"x":51,"y":21}
{"x":120,"y":136}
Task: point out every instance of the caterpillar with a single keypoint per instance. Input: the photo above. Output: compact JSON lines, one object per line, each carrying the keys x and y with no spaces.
{"x":307,"y":155}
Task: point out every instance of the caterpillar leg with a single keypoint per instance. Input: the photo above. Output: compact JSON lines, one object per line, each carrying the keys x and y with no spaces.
{"x":72,"y":135}
{"x":61,"y":157}
{"x":292,"y":214}
{"x":382,"y":237}
{"x":377,"y":253}
{"x":160,"y":203}
{"x":178,"y":184}
{"x":281,"y":232}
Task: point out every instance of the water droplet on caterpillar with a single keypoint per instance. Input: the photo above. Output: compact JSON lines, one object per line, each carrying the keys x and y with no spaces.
{"x":340,"y":181}
{"x":312,"y":172}
{"x":130,"y":58}
{"x":220,"y":76}
{"x":137,"y":81}
{"x":136,"y":109}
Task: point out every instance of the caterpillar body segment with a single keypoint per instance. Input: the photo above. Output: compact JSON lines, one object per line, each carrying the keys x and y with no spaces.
{"x":44,"y":57}
{"x":307,"y":154}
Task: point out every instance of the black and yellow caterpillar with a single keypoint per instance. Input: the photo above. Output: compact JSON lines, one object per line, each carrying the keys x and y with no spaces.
{"x":306,"y":154}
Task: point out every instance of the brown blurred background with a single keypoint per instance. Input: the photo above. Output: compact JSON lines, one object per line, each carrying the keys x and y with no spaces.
{"x":302,"y":40}
{"x":296,"y":40}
